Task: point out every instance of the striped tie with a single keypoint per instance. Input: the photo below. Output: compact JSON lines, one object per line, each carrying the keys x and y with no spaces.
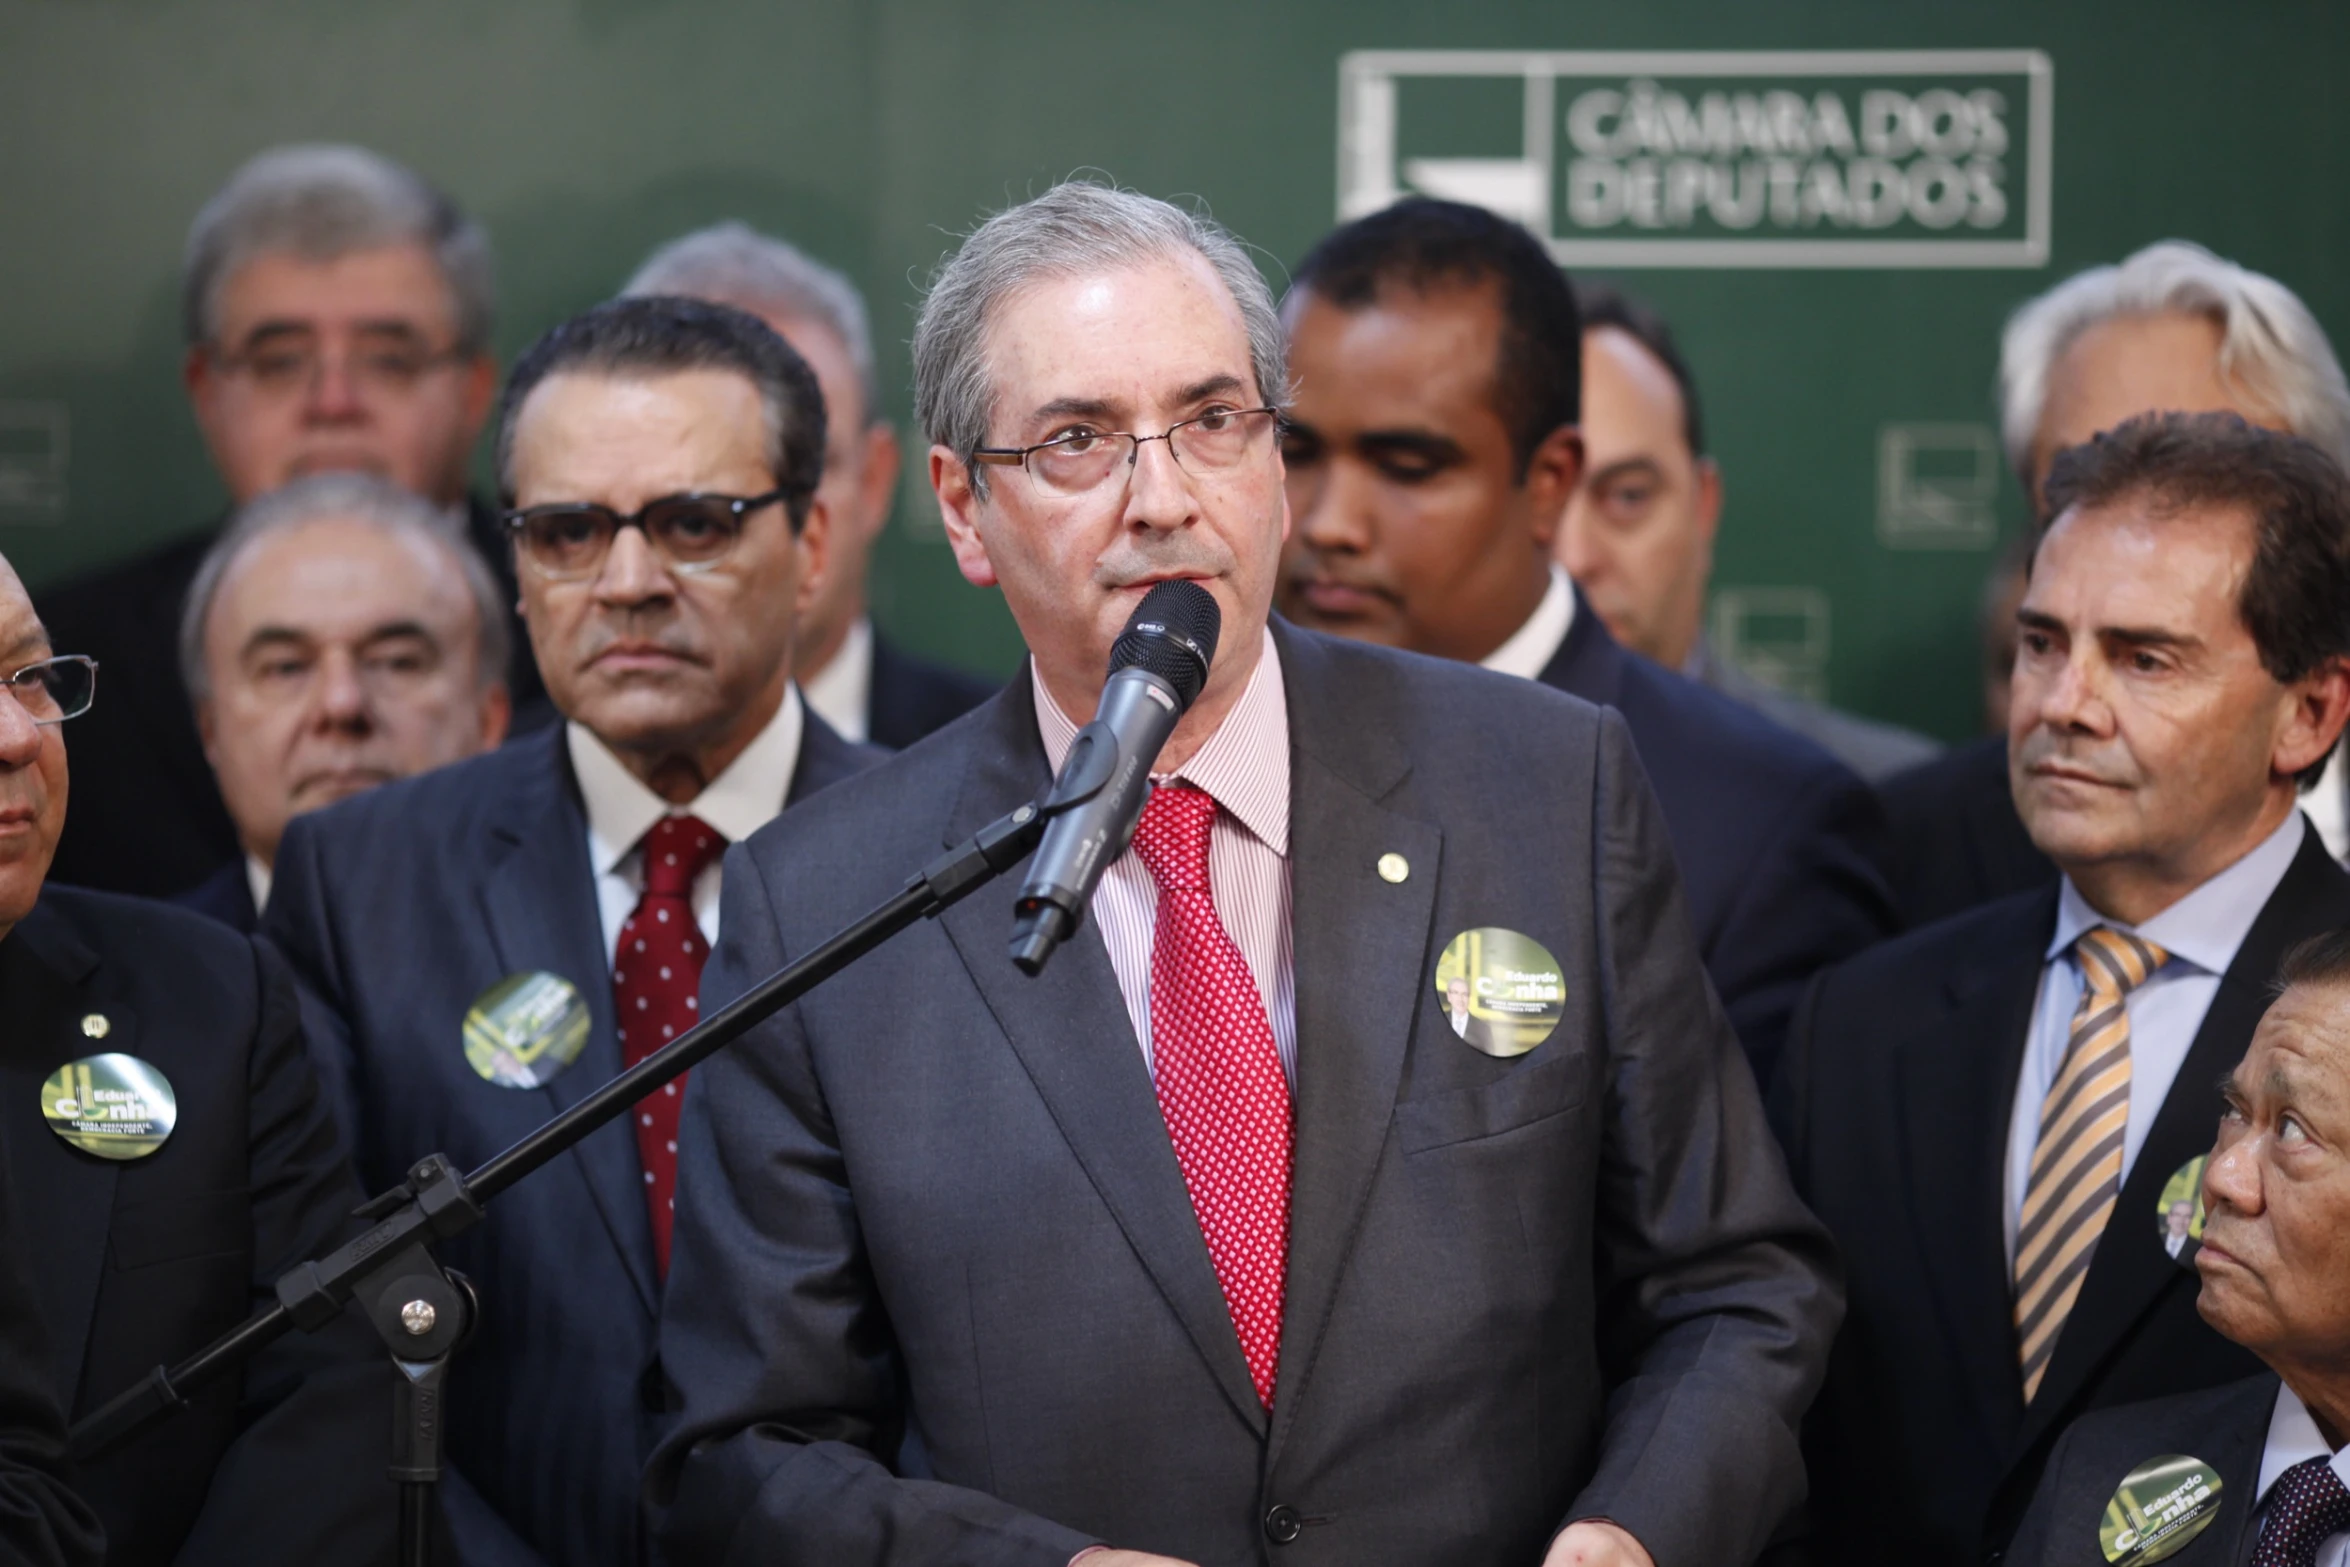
{"x":2077,"y":1163}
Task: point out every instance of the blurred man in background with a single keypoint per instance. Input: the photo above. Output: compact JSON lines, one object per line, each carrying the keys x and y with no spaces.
{"x":1638,"y":537}
{"x":340,"y":634}
{"x":1988,"y":1112}
{"x":1431,"y":452}
{"x":337,"y":313}
{"x":2173,"y":328}
{"x":859,"y":681}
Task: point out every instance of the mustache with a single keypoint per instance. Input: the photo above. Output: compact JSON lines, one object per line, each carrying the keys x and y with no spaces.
{"x":600,"y":635}
{"x":1130,"y":561}
{"x":2041,"y":747}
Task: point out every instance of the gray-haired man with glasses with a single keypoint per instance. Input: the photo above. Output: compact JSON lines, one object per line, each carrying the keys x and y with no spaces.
{"x":147,"y":1245}
{"x":659,"y":459}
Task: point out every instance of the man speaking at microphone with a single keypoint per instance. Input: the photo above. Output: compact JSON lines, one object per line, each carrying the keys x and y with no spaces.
{"x":1215,"y":1241}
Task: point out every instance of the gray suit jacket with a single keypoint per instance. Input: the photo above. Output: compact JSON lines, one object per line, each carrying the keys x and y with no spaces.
{"x":939,"y":1295}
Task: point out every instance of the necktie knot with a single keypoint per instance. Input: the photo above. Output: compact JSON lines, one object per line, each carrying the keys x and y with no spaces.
{"x":2115,"y":963}
{"x":2307,"y":1504}
{"x":678,"y":849}
{"x":1172,"y":837}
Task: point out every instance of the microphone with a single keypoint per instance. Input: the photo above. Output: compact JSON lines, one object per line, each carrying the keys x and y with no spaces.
{"x":1157,"y":667}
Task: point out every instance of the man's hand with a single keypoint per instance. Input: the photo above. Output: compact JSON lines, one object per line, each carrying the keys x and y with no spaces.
{"x":1590,"y":1543}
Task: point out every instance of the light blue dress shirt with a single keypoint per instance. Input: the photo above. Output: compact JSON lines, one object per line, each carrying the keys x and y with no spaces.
{"x":2201,"y":932}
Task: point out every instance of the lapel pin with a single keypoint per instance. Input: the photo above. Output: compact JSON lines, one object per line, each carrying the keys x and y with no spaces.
{"x":525,"y":1029}
{"x":95,"y":1026}
{"x":1501,"y":991}
{"x":1393,"y":867}
{"x":2157,"y":1509}
{"x":114,"y":1106}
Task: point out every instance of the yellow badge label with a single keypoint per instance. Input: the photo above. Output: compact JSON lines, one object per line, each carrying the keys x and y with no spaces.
{"x":114,"y":1106}
{"x":1500,"y":991}
{"x":525,"y":1029}
{"x":2178,"y":1218}
{"x":2160,"y":1506}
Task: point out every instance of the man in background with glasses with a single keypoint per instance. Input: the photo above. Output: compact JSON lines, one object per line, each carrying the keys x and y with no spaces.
{"x":342,"y":633}
{"x":337,"y":310}
{"x":1216,"y":1238}
{"x":147,"y":1247}
{"x":660,"y":459}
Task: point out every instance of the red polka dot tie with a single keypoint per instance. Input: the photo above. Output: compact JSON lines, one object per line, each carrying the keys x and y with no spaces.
{"x":656,"y":981}
{"x":2306,"y":1505}
{"x":1219,"y":1075}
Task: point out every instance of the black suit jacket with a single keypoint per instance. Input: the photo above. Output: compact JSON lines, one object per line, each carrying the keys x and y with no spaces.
{"x":2226,"y":1427}
{"x":939,"y":1294}
{"x":144,"y":1261}
{"x":912,"y":696}
{"x":147,"y":817}
{"x":1894,"y":1105}
{"x":1777,"y":840}
{"x":1955,"y":840}
{"x":42,"y":1522}
{"x":398,"y":908}
{"x":227,"y":896}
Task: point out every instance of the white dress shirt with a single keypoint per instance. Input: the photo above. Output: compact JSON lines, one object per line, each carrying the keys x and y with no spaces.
{"x":257,"y":880}
{"x":1245,"y":768}
{"x":1533,"y":645}
{"x":2201,"y":933}
{"x":2292,"y":1437}
{"x":842,"y":691}
{"x":621,"y":810}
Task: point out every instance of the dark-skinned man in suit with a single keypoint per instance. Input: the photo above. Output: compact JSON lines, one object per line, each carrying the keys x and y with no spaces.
{"x":661,"y":459}
{"x":981,"y":1268}
{"x":147,"y":1247}
{"x":1432,"y":453}
{"x":1988,"y":1112}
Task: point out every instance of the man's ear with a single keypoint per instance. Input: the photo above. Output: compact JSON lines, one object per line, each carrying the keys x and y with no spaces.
{"x":497,"y":712}
{"x":2313,"y":725}
{"x":877,"y":485}
{"x":207,"y":726}
{"x":1552,"y":474}
{"x":958,"y":509}
{"x":481,"y":394}
{"x":814,"y":542}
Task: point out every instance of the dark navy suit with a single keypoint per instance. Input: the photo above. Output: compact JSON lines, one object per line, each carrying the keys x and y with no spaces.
{"x":912,"y":696}
{"x":227,"y":896}
{"x":1778,"y":842}
{"x":398,"y":908}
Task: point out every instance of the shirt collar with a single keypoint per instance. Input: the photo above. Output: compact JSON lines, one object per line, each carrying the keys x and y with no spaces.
{"x":1531,"y":647}
{"x":257,"y":879}
{"x":2293,"y":1437}
{"x":738,"y":802}
{"x":1244,"y":767}
{"x":842,"y":691}
{"x":2206,"y":926}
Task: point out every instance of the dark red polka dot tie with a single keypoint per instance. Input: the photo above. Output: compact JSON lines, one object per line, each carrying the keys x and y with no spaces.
{"x":2307,"y":1504}
{"x":656,"y":983}
{"x":1220,"y":1083}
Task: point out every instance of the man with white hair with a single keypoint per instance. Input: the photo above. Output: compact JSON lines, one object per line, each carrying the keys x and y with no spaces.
{"x":860,"y":682}
{"x":337,"y":313}
{"x":340,"y":634}
{"x":2172,"y":329}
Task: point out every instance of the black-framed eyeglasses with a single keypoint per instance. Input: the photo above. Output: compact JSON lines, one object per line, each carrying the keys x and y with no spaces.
{"x":1209,"y":445}
{"x":55,"y":689}
{"x":568,"y":540}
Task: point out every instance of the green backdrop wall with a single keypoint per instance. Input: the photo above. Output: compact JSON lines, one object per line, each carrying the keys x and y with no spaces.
{"x":1848,"y":404}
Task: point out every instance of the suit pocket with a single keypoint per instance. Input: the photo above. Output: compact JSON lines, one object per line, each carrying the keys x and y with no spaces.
{"x":1525,"y":1096}
{"x":177,"y":1225}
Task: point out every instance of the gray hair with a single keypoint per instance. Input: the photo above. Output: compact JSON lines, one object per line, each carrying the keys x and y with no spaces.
{"x":1073,"y":229}
{"x":321,"y":201}
{"x":734,"y":264}
{"x":2271,"y":348}
{"x":342,"y":497}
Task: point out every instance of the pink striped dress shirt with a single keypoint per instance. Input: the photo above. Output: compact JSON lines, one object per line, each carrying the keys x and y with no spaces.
{"x":1245,"y":767}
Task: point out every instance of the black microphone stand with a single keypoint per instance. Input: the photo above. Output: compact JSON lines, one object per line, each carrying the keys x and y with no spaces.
{"x":424,"y":1312}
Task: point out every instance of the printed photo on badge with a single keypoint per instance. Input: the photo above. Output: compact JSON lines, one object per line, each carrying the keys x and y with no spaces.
{"x":525,"y":1029}
{"x":1500,"y":991}
{"x":115,"y":1106}
{"x":2157,"y":1509}
{"x":2178,"y":1217}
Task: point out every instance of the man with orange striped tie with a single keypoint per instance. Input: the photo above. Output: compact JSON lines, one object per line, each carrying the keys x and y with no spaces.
{"x":1996,"y":1113}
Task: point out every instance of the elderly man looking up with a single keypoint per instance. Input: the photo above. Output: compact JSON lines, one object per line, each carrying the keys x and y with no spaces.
{"x":342,"y":633}
{"x":858,"y":681}
{"x":2274,"y":1260}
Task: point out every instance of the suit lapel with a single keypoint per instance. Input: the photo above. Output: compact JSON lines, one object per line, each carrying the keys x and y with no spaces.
{"x":825,"y":758}
{"x":1360,"y":946}
{"x":1589,"y":663}
{"x":1957,"y":1082}
{"x":539,"y":898}
{"x":1070,"y":1029}
{"x":63,"y":1198}
{"x":2130,"y":1271}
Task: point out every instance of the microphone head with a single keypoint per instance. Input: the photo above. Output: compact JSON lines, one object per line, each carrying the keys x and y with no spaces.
{"x":1173,"y":636}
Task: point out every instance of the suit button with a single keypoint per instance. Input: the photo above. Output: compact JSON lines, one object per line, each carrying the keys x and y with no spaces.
{"x":1282,"y":1525}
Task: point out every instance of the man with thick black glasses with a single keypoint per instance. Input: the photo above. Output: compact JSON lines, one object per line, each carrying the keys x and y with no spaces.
{"x":482,"y":945}
{"x":165,"y":1153}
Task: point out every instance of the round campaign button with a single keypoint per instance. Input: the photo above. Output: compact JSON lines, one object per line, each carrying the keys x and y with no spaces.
{"x":114,"y":1106}
{"x":2178,"y":1219}
{"x":1499,"y":990}
{"x":2158,"y":1508}
{"x":525,"y":1029}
